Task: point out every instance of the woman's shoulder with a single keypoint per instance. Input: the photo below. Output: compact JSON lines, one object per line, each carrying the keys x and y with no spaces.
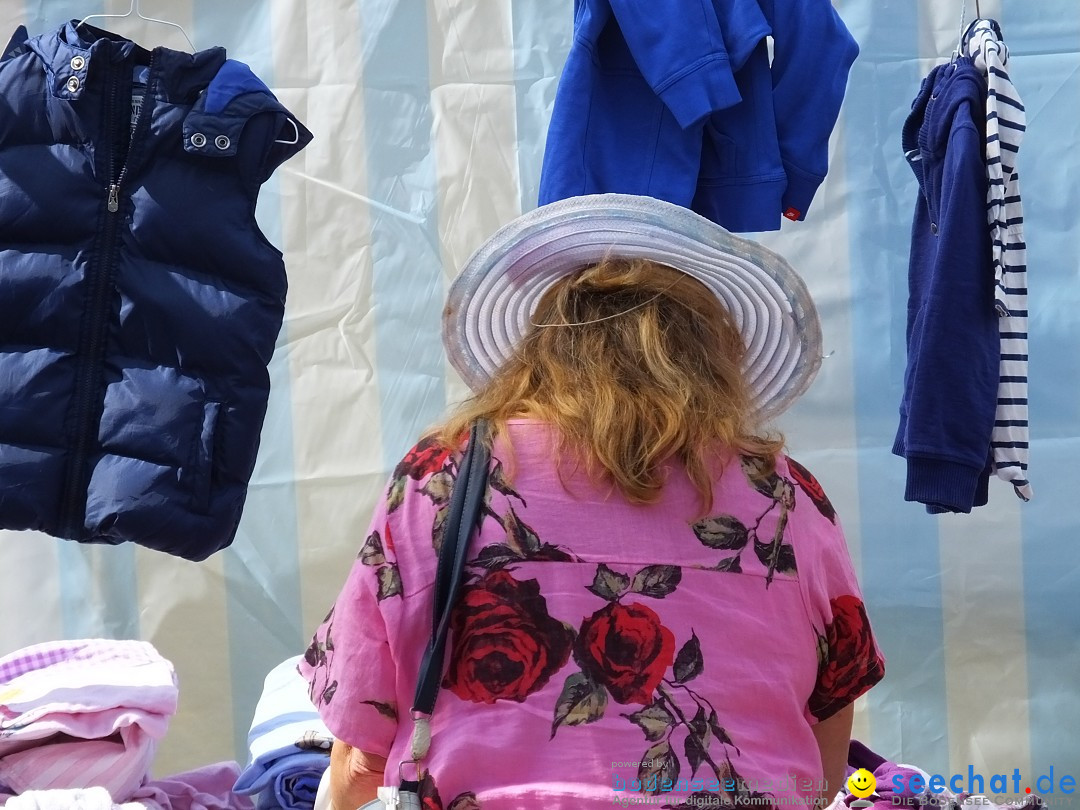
{"x":783,"y":488}
{"x":815,"y":527}
{"x":807,"y":484}
{"x":429,"y":455}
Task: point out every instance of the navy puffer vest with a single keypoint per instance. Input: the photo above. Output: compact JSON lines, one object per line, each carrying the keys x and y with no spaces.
{"x":139,"y":302}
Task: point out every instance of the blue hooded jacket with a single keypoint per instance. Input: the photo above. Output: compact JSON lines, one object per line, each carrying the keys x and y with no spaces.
{"x":139,"y":302}
{"x":953,"y":341}
{"x":677,"y":99}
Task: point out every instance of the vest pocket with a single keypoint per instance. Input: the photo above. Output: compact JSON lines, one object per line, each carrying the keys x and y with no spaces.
{"x":152,"y":478}
{"x":204,"y":458}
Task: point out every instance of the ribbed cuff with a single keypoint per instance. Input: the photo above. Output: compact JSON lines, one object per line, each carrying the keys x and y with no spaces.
{"x":800,"y":191}
{"x":707,"y":87}
{"x":945,"y":485}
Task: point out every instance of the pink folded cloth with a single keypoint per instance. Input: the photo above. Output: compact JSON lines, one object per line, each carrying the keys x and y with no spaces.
{"x":80,"y":714}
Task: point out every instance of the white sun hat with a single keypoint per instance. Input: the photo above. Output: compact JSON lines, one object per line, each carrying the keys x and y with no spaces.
{"x":491,"y":302}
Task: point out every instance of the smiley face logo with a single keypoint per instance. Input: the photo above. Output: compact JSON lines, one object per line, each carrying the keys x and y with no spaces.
{"x":861,"y":783}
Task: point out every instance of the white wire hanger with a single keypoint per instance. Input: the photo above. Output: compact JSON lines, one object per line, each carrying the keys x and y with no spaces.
{"x":137,"y":11}
{"x":964,"y":28}
{"x":296,"y":134}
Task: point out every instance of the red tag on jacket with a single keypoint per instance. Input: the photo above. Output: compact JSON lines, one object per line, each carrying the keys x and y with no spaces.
{"x":793,"y":213}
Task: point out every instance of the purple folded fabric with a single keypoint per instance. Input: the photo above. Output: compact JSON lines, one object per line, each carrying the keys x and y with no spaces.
{"x":859,"y":756}
{"x":206,"y":788}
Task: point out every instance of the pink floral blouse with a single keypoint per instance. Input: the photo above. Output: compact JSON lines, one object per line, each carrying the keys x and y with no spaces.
{"x":602,"y":653}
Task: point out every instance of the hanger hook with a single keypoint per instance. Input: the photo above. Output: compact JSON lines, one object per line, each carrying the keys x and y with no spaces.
{"x":960,"y":37}
{"x":296,"y":134}
{"x":136,"y":9}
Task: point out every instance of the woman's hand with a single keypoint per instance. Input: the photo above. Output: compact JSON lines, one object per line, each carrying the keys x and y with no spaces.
{"x":355,"y":776}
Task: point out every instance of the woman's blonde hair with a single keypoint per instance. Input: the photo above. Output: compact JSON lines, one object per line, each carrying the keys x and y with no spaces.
{"x":633,"y":363}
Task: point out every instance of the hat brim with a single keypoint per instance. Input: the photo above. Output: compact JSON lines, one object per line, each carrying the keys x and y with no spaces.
{"x":491,"y":302}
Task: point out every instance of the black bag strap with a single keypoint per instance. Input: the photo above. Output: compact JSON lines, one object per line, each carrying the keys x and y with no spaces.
{"x":466,"y":503}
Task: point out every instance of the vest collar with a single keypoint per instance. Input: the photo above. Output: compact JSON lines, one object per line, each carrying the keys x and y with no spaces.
{"x":223,"y":94}
{"x":69,"y":51}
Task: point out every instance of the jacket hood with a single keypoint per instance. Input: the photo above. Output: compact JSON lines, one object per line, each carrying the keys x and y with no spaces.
{"x":943,"y":92}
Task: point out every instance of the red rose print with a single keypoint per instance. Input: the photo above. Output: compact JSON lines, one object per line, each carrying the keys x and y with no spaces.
{"x":811,"y":487}
{"x":505,"y":645}
{"x":427,"y":457}
{"x":388,"y":540}
{"x":852,"y":664}
{"x":429,"y":794}
{"x":625,"y":649}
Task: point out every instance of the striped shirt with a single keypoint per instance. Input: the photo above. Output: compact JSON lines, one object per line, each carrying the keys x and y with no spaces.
{"x":1005,"y":125}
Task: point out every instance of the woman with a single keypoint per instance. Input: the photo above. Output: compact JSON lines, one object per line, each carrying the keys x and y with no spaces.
{"x":659,"y":605}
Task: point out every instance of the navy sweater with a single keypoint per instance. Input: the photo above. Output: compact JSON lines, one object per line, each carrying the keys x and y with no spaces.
{"x":950,"y":387}
{"x":677,"y":99}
